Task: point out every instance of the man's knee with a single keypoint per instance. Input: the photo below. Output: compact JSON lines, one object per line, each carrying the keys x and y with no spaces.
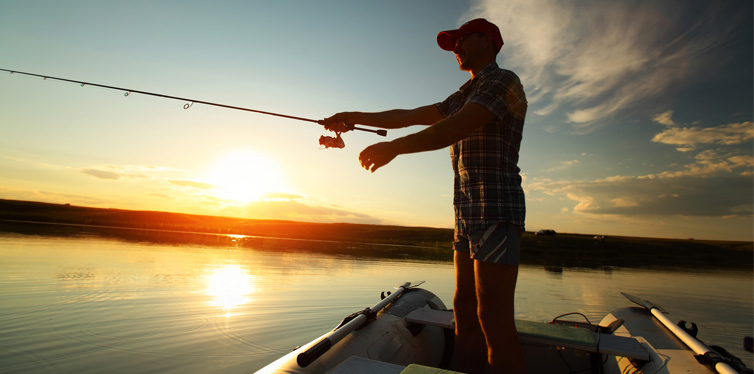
{"x":495,"y":292}
{"x":465,"y":300}
{"x":495,"y":318}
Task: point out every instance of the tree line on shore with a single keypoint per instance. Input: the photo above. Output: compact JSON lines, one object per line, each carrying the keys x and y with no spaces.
{"x":374,"y":240}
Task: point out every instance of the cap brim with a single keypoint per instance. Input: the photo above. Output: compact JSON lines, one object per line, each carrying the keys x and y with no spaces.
{"x":447,"y":39}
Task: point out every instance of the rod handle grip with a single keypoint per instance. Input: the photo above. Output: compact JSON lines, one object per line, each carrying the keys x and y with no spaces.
{"x":378,"y":132}
{"x":304,"y":359}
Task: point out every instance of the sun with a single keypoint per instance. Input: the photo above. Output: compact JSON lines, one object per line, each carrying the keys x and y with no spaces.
{"x":245,"y":175}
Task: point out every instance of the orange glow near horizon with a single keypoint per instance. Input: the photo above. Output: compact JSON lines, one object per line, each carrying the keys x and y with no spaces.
{"x":244,"y":176}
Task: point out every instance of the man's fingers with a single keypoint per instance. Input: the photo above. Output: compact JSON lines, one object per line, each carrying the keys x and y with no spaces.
{"x":366,"y":157}
{"x":339,"y":122}
{"x":335,"y":126}
{"x":376,"y":156}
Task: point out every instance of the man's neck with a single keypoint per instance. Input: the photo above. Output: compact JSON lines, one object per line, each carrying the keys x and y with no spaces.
{"x":482,"y":64}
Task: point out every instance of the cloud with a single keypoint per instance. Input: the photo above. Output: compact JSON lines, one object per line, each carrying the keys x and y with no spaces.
{"x":109,"y":172}
{"x":162,"y":196}
{"x":114,"y":172}
{"x":192,"y":184}
{"x":746,"y":162}
{"x":282,"y":196}
{"x":51,"y":197}
{"x":714,"y":184}
{"x":665,"y":118}
{"x":709,"y":167}
{"x":564,"y":165}
{"x":102,"y":174}
{"x":598,"y":58}
{"x":294,"y":208}
{"x":32,"y":163}
{"x":301,"y":211}
{"x":722,"y":196}
{"x":689,"y":137}
{"x":725,"y":195}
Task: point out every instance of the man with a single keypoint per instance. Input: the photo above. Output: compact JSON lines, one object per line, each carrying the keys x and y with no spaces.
{"x":483,"y":124}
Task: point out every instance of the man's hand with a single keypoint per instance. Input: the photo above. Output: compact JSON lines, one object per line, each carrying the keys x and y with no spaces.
{"x":377,"y":155}
{"x":340,"y":122}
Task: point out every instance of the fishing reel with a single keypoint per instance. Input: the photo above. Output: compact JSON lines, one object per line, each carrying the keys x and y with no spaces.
{"x":331,"y":142}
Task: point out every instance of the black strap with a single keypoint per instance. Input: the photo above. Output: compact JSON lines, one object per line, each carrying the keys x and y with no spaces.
{"x":369,"y":313}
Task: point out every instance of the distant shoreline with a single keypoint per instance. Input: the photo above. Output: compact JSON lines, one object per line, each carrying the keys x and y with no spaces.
{"x":560,"y":250}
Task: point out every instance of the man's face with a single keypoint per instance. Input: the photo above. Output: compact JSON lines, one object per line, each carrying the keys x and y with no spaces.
{"x":469,"y":50}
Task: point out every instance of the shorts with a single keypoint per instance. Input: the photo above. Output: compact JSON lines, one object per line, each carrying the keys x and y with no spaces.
{"x":499,"y":244}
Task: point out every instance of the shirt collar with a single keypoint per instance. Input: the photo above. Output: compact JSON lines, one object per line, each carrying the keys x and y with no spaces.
{"x":485,"y":71}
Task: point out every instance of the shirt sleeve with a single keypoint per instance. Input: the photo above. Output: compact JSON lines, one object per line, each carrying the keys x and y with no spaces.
{"x":444,"y":106}
{"x":502,"y":94}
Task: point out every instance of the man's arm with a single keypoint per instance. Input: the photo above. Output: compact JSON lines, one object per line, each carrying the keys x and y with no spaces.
{"x":440,"y":135}
{"x":390,"y":119}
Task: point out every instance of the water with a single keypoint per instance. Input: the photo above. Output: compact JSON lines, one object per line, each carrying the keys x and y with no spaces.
{"x":91,"y":305}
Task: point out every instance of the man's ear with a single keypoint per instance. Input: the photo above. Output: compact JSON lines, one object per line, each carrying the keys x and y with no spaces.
{"x":488,"y":42}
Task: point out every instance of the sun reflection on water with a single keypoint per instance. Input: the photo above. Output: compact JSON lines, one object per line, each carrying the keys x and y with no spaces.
{"x":230,"y":286}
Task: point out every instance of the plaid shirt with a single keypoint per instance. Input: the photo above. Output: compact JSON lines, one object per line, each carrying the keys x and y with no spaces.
{"x":487,"y":183}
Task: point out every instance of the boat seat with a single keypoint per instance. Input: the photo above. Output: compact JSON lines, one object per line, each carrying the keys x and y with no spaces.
{"x":361,"y":365}
{"x":420,"y":369}
{"x":544,"y":333}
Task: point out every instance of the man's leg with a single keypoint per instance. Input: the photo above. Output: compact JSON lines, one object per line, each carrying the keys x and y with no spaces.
{"x":495,"y":288}
{"x":470,"y":349}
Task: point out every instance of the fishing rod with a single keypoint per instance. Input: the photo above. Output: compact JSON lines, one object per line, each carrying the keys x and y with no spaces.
{"x":326,"y":141}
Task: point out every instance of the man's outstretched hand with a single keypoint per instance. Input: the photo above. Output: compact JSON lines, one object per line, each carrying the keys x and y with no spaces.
{"x":377,"y":155}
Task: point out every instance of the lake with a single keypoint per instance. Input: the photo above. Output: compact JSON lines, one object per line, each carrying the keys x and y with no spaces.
{"x":91,"y":304}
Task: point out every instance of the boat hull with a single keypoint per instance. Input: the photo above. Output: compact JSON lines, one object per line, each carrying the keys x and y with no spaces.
{"x":668,"y":354}
{"x":416,"y":328}
{"x":388,"y":338}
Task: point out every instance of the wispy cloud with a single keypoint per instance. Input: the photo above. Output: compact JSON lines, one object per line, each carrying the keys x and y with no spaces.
{"x":564,"y":165}
{"x":117,"y":172}
{"x":708,"y":162}
{"x":597,"y":58}
{"x":298,"y":210}
{"x":282,"y":196}
{"x":192,"y":195}
{"x":102,"y":174}
{"x":31,"y":163}
{"x":665,"y":118}
{"x":106,"y":172}
{"x":676,"y":195}
{"x":688,"y":138}
{"x":53,"y":197}
{"x":287,"y":207}
{"x":714,"y":183}
{"x":684,"y":194}
{"x":192,"y":184}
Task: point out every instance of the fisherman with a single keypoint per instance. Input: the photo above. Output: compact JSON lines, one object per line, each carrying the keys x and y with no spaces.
{"x":483,"y":125}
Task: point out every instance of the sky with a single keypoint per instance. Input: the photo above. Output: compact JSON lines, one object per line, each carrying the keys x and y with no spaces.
{"x":639,"y":120}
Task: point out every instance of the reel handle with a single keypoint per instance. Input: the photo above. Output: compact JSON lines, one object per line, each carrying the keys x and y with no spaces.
{"x":349,"y":127}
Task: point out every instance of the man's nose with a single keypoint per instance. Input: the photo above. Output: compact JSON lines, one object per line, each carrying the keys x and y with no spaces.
{"x":457,"y":47}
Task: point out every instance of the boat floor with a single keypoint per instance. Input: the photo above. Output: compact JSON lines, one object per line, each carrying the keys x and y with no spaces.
{"x":543,"y":333}
{"x":531,"y":334}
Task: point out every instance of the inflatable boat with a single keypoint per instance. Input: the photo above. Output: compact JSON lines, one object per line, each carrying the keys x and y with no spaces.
{"x":410,"y":331}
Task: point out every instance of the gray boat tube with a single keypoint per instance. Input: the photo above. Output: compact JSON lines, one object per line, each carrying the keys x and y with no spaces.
{"x":378,"y":333}
{"x":696,"y":345}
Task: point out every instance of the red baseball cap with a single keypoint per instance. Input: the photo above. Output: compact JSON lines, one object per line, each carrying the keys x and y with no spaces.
{"x":447,"y":39}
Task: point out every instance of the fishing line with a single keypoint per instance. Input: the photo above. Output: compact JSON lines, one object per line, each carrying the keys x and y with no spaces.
{"x":191,"y":102}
